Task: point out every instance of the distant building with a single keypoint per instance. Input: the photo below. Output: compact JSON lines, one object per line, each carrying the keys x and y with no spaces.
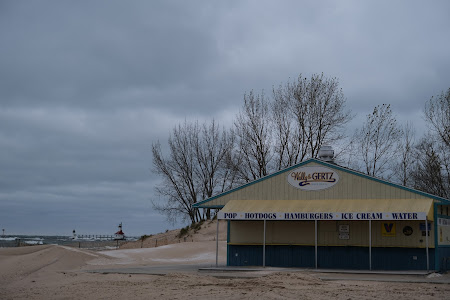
{"x":119,"y":235}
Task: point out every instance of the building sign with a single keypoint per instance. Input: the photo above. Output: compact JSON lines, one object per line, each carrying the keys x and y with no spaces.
{"x":441,"y":222}
{"x":444,"y":231}
{"x":422,"y":226}
{"x":388,"y":229}
{"x":313,"y":178}
{"x":344,"y":232}
{"x":425,"y":230}
{"x":344,"y":236}
{"x":288,"y":216}
{"x":407,"y":230}
{"x":344,"y":228}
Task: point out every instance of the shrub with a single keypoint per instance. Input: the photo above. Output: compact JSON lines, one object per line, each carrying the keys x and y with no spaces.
{"x":197,"y":226}
{"x":183,"y":231}
{"x":145,"y":236}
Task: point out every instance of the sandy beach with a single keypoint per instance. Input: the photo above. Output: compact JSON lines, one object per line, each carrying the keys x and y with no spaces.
{"x":58,"y":272}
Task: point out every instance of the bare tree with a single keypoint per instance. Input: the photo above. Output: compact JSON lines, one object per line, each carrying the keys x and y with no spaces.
{"x":204,"y":161}
{"x":405,"y":164}
{"x":179,"y":188}
{"x":254,"y":137}
{"x":286,"y":145}
{"x":307,"y":114}
{"x":195,"y":169}
{"x":290,"y":137}
{"x":444,"y":155}
{"x":377,"y":140}
{"x":437,"y":113}
{"x":212,"y":148}
{"x":327,"y":114}
{"x":431,"y":172}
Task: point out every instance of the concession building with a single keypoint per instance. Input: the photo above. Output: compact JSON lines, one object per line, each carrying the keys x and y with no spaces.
{"x":317,"y":214}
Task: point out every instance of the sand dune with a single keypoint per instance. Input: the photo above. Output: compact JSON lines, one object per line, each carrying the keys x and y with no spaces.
{"x":207,"y":232}
{"x":181,"y":253}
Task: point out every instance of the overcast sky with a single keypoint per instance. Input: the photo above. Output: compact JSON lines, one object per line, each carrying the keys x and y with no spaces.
{"x":87,"y":86}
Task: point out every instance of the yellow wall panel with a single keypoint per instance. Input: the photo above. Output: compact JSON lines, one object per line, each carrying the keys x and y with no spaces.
{"x":302,"y":233}
{"x":400,"y":239}
{"x":246,"y":232}
{"x":350,"y":186}
{"x":294,"y":232}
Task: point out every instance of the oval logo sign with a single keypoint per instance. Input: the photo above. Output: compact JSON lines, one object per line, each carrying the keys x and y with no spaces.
{"x":313,"y":178}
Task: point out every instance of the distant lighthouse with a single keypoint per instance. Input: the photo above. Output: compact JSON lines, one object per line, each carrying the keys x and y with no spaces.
{"x":119,"y":234}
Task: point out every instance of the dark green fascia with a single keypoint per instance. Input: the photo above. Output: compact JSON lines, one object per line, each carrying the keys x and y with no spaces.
{"x":228,"y":243}
{"x":436,"y":244}
{"x":212,"y":207}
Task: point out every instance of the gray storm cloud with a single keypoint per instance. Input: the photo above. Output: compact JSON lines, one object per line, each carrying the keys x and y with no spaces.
{"x":86,"y":87}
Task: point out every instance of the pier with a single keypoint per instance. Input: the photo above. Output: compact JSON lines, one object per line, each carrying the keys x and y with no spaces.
{"x":101,"y":237}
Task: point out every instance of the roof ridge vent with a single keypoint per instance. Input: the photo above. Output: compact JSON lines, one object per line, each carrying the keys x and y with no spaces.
{"x":326,"y":153}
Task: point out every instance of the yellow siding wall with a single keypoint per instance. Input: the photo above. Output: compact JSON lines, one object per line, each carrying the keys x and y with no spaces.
{"x":302,"y":233}
{"x":277,"y":232}
{"x":328,"y":233}
{"x":350,"y":186}
{"x":299,"y":232}
{"x":246,"y":232}
{"x":416,"y":239}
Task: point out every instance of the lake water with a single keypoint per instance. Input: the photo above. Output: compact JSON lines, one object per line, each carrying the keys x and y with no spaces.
{"x":88,"y":241}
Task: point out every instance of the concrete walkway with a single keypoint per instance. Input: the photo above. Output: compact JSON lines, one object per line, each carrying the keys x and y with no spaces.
{"x":387,"y":277}
{"x":254,"y":272}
